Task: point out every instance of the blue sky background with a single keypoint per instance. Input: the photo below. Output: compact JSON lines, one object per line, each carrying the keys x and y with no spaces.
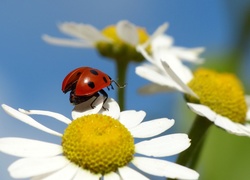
{"x":31,"y":71}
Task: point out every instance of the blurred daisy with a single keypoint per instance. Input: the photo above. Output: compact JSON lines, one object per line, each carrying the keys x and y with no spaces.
{"x":217,"y":96}
{"x":97,"y":145}
{"x":162,"y":48}
{"x":115,"y":41}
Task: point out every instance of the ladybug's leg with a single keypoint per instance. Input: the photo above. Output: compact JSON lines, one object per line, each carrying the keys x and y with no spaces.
{"x":110,"y":86}
{"x":96,"y":96}
{"x":105,"y":98}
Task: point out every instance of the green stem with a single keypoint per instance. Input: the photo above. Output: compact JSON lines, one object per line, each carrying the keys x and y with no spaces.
{"x":121,"y":67}
{"x":197,"y":134}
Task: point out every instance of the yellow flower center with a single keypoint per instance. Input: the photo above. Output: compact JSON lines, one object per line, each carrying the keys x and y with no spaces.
{"x":223,"y":93}
{"x":118,"y":49}
{"x":110,"y":32}
{"x":98,"y":143}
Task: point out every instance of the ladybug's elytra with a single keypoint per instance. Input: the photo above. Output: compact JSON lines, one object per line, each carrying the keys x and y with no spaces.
{"x":85,"y":83}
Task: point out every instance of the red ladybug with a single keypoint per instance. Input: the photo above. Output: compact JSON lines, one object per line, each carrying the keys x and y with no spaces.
{"x":85,"y":83}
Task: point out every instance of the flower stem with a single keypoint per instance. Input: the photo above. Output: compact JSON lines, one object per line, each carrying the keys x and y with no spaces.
{"x":121,"y":67}
{"x":197,"y":134}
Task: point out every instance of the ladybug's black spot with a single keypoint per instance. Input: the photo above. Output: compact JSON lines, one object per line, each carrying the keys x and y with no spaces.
{"x":78,"y":74}
{"x":94,"y":72}
{"x":105,"y":80}
{"x":91,"y":85}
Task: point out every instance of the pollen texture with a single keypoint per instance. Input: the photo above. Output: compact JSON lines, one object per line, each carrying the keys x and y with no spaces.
{"x":223,"y":93}
{"x":98,"y":143}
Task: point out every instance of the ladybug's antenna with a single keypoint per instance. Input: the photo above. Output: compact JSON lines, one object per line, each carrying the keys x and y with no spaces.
{"x":118,"y":85}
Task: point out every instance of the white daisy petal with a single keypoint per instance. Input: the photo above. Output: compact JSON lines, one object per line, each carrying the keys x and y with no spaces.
{"x":162,"y":42}
{"x":66,"y":173}
{"x":57,"y":116}
{"x":128,"y":173}
{"x":150,"y":73}
{"x":41,"y":177}
{"x":86,"y":109}
{"x":131,"y":118}
{"x":28,"y":120}
{"x":247,"y":97}
{"x":111,"y":176}
{"x":113,"y":108}
{"x":164,"y":168}
{"x":84,"y":174}
{"x":83,"y":31}
{"x":248,"y":115}
{"x":203,"y":110}
{"x":163,"y":146}
{"x":232,"y":127}
{"x":127,"y":32}
{"x":183,"y":72}
{"x":29,"y":167}
{"x":159,"y":31}
{"x":177,"y":79}
{"x":154,"y":88}
{"x":145,"y":54}
{"x":28,"y":148}
{"x":189,"y":54}
{"x":66,"y":42}
{"x":151,"y":128}
{"x":248,"y":107}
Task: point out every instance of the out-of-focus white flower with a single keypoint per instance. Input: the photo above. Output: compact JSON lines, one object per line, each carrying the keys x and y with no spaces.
{"x":115,"y":41}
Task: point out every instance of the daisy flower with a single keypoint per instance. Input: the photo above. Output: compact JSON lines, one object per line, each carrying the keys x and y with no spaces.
{"x":115,"y":41}
{"x":162,"y":48}
{"x":217,"y":96}
{"x":97,"y":145}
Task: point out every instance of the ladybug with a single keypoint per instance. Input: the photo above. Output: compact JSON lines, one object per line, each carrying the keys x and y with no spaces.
{"x":85,"y":83}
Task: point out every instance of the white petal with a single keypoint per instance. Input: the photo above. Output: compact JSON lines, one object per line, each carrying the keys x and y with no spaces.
{"x":85,"y":108}
{"x":162,"y":42}
{"x":28,"y":120}
{"x":57,"y":116}
{"x":131,"y":118}
{"x":248,"y":115}
{"x":29,"y":167}
{"x":66,"y":173}
{"x":113,"y":108}
{"x":177,"y":66}
{"x":159,"y":31}
{"x":41,"y":177}
{"x":151,"y":73}
{"x":145,"y":54}
{"x":248,"y":107}
{"x":153,"y":89}
{"x":127,"y":173}
{"x":202,"y":110}
{"x":111,"y":176}
{"x":28,"y":148}
{"x":66,"y":42}
{"x":177,"y":79}
{"x":232,"y":127}
{"x":247,"y":97}
{"x":189,"y":54}
{"x":127,"y":32}
{"x":159,"y":167}
{"x":84,"y":174}
{"x":151,"y":128}
{"x":163,"y":146}
{"x":83,"y":31}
